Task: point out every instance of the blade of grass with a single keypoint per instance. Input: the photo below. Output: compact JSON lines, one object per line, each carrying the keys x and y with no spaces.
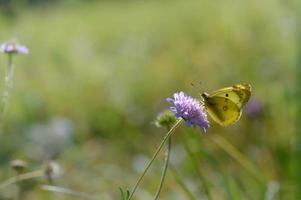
{"x":298,"y":113}
{"x":228,"y":183}
{"x":215,"y":166}
{"x":238,"y":156}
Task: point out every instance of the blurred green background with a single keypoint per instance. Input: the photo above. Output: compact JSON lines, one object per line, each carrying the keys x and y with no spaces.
{"x":98,"y":73}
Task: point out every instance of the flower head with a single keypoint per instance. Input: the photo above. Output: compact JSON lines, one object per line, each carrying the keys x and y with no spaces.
{"x":165,"y":119}
{"x":18,"y":165}
{"x":190,"y":109}
{"x":13,"y":48}
{"x":52,"y":170}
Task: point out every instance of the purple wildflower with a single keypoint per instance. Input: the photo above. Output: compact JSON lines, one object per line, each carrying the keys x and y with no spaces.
{"x":254,"y":108}
{"x":190,"y":109}
{"x":12,"y":47}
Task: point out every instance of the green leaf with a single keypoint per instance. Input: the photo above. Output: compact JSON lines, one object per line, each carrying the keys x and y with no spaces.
{"x":124,"y":195}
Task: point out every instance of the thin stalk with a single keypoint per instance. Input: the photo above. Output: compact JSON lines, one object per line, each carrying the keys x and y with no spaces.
{"x":169,"y":133}
{"x":62,"y":190}
{"x":297,"y":153}
{"x":19,"y":190}
{"x":21,"y":177}
{"x":167,"y":156}
{"x":8,"y":84}
{"x":197,"y":169}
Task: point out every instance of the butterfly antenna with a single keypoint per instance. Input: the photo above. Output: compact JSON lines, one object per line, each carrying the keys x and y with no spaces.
{"x":192,"y":84}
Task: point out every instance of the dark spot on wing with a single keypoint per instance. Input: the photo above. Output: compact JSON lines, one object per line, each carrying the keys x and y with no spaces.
{"x":227,"y":95}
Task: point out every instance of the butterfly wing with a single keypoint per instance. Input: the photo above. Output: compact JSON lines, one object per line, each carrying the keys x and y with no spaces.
{"x":238,"y":94}
{"x":223,"y":111}
{"x":225,"y":105}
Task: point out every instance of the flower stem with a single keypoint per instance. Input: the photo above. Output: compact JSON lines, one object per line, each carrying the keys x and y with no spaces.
{"x":164,"y":169}
{"x":169,"y":133}
{"x":7,"y":87}
{"x":21,"y":177}
{"x":67,"y":191}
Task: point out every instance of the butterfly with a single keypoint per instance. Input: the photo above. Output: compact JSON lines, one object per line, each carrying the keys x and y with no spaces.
{"x":225,"y":105}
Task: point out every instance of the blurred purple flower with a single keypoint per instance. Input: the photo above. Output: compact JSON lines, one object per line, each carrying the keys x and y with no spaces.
{"x":190,"y":109}
{"x":12,"y":47}
{"x":254,"y":108}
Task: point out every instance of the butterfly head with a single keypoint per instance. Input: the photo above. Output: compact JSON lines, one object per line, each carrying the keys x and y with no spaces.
{"x":205,"y":95}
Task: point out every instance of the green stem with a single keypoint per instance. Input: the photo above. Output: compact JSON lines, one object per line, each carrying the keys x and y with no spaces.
{"x":169,"y":133}
{"x":21,"y":177}
{"x":7,"y":87}
{"x":164,"y":169}
{"x":297,"y":148}
{"x":67,"y":191}
{"x":19,"y":190}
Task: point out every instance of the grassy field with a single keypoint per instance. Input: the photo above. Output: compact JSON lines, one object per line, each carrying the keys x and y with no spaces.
{"x":98,"y":73}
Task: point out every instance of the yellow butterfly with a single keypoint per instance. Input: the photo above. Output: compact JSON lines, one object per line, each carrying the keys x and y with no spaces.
{"x":225,"y":105}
